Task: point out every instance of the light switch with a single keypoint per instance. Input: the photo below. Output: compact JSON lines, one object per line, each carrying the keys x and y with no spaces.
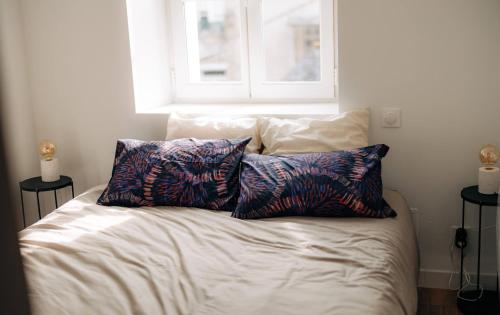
{"x":391,"y":117}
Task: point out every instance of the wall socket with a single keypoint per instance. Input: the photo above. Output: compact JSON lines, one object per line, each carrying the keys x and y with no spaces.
{"x":460,"y":239}
{"x":455,"y":227}
{"x":391,"y":117}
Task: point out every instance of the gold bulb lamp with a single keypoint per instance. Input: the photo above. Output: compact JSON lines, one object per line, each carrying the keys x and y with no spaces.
{"x":49,"y":164}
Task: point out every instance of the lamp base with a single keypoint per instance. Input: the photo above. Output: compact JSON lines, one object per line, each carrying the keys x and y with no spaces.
{"x":50,"y":170}
{"x":488,"y":180}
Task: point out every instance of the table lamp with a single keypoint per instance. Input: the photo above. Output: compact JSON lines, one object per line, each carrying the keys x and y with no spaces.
{"x":489,"y":174}
{"x":49,"y":164}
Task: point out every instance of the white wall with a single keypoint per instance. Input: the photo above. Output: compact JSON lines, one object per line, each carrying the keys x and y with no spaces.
{"x":436,"y":59}
{"x":17,"y":114}
{"x":81,"y":84}
{"x":149,"y":49}
{"x":439,"y":60}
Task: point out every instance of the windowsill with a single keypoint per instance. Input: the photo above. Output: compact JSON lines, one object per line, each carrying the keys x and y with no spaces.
{"x":247,"y":109}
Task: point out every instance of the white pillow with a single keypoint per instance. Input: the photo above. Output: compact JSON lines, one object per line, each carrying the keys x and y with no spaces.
{"x":214,"y":127}
{"x":305,"y":135}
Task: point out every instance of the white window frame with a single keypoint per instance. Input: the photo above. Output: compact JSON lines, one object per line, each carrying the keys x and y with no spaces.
{"x":183,"y":87}
{"x":261,"y":88}
{"x":253,"y":88}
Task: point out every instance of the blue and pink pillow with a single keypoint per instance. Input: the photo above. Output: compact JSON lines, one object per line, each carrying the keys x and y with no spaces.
{"x":343,"y":184}
{"x":183,"y":172}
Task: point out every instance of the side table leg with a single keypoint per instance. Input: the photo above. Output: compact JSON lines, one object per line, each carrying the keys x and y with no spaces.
{"x":479,"y":247}
{"x":462,"y":249}
{"x":72,"y":190}
{"x":55,"y":197}
{"x":22,"y":207}
{"x":38,"y":204}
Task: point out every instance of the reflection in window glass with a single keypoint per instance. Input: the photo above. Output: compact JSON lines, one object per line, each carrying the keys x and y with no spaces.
{"x":291,"y":31}
{"x":213,"y":40}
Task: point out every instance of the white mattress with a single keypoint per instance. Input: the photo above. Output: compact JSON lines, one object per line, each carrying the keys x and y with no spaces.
{"x":90,"y":259}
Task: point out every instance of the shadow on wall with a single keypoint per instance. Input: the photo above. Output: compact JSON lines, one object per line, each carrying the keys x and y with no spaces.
{"x":13,"y":294}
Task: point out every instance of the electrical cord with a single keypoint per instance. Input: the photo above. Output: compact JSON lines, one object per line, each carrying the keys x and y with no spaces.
{"x":481,"y":290}
{"x":466,"y":279}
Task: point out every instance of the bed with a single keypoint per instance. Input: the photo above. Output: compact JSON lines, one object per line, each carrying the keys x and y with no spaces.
{"x":89,"y":259}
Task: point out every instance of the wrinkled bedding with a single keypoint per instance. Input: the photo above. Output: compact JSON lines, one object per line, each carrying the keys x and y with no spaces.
{"x":89,"y":259}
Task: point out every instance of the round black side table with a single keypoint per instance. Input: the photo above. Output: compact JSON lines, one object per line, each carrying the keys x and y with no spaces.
{"x":35,"y":184}
{"x":472,"y":304}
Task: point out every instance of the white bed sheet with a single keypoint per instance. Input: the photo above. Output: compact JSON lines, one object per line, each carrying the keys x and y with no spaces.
{"x":89,"y":259}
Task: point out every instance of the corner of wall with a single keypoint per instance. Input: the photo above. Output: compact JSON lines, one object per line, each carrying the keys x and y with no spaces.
{"x":17,"y":113}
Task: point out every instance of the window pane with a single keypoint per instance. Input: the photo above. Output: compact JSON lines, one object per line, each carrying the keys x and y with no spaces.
{"x":291,"y":32}
{"x":213,"y":40}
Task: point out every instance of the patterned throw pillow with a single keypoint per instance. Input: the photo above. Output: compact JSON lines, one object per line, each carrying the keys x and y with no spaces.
{"x":342,"y":183}
{"x":183,"y":172}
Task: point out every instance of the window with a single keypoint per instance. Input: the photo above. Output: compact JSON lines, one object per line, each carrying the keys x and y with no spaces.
{"x":253,"y":50}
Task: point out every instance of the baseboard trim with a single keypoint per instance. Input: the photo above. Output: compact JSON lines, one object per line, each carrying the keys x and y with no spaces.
{"x":435,"y":278}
